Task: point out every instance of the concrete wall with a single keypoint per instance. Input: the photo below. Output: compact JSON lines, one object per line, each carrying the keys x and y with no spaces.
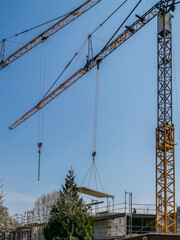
{"x":118,"y":226}
{"x":101,"y":229}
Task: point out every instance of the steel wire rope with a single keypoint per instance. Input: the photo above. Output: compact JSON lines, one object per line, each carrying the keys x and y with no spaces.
{"x":43,"y":89}
{"x":90,"y":170}
{"x":40,"y":93}
{"x":15,"y":42}
{"x":96,"y":102}
{"x":90,"y":174}
{"x":95,"y":126}
{"x":99,"y":39}
{"x":95,"y":178}
{"x":86,"y":174}
{"x":93,"y":165}
{"x":99,"y":178}
{"x":40,"y":25}
{"x":69,"y":63}
{"x":95,"y":30}
{"x":77,"y":59}
{"x":40,"y":115}
{"x":1,"y":51}
{"x":119,"y":28}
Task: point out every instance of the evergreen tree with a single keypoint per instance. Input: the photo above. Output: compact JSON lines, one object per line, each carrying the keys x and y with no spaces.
{"x":69,"y":218}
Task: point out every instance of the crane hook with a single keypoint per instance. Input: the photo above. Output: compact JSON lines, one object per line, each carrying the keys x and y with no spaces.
{"x":93,"y":155}
{"x":39,"y":162}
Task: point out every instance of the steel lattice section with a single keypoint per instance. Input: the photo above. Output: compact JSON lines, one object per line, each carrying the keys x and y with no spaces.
{"x":164,"y":79}
{"x":165,"y":180}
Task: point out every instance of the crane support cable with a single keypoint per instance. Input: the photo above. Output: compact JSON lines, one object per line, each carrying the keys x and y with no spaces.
{"x":35,"y":27}
{"x":118,"y":41}
{"x":2,"y":50}
{"x":120,"y":26}
{"x":50,"y":31}
{"x":69,"y":63}
{"x":123,"y":37}
{"x":108,"y":17}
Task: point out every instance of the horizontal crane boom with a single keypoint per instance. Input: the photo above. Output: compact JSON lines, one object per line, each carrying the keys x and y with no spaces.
{"x":49,"y":32}
{"x":119,"y":40}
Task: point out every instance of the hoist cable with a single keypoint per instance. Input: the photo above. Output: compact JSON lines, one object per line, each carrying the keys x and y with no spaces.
{"x":40,"y":25}
{"x":96,"y":110}
{"x":43,"y":91}
{"x":120,"y":27}
{"x":39,"y":165}
{"x":93,"y":168}
{"x":41,"y":114}
{"x":40,"y":93}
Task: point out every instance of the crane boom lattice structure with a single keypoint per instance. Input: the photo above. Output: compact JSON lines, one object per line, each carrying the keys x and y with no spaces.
{"x":49,"y":32}
{"x":165,"y":161}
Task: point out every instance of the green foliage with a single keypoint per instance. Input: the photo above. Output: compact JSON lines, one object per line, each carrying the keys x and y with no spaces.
{"x":69,"y":219}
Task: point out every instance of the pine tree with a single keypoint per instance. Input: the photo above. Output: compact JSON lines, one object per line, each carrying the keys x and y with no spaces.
{"x":69,"y":218}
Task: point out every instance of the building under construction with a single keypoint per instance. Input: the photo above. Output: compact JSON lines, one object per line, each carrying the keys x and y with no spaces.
{"x":111,"y":220}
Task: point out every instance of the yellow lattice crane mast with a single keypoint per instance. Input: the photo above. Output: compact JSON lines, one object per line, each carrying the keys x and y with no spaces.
{"x":47,"y":33}
{"x":165,"y":154}
{"x":165,"y":162}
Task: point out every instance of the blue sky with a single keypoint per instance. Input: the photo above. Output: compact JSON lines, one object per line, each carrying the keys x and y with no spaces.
{"x":127,"y":104}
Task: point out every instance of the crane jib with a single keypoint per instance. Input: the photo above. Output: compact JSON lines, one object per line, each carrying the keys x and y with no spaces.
{"x":119,"y":40}
{"x":49,"y":32}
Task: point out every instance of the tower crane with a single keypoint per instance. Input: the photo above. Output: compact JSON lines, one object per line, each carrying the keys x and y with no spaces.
{"x":165,"y":145}
{"x":47,"y":33}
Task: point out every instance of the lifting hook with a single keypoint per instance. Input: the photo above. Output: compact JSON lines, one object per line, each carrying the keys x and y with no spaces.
{"x":93,"y":155}
{"x":39,"y":162}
